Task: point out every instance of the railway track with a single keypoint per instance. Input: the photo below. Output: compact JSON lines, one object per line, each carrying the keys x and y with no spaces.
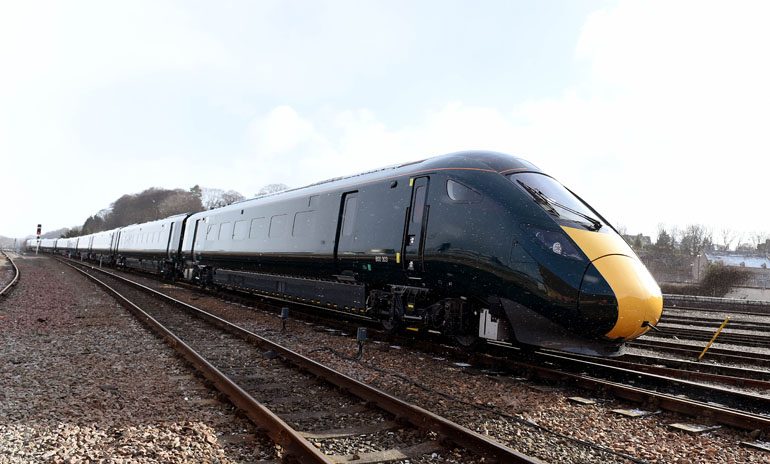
{"x":686,"y":367}
{"x":727,"y":337}
{"x":314,"y":413}
{"x":713,"y":323}
{"x":710,"y":304}
{"x":724,"y":375}
{"x":669,"y":393}
{"x":665,"y":388}
{"x":688,"y":351}
{"x":678,"y":370}
{"x":4,"y":289}
{"x":668,"y":381}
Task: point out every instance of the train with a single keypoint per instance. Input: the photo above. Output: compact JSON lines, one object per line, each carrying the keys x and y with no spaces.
{"x":477,"y":246}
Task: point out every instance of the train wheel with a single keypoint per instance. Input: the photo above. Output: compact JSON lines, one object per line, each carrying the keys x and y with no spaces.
{"x":468,"y":341}
{"x":391,"y":325}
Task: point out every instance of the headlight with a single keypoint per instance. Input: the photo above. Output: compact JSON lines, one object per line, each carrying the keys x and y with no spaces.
{"x":556,"y":242}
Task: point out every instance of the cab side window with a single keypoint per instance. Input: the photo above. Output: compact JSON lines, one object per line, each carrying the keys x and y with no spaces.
{"x":461,"y":193}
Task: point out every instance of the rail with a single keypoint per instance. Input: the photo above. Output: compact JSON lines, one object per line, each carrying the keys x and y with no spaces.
{"x":670,"y":298}
{"x":279,"y":430}
{"x":16,"y":274}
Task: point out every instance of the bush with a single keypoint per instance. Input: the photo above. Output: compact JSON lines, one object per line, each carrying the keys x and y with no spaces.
{"x":717,"y":281}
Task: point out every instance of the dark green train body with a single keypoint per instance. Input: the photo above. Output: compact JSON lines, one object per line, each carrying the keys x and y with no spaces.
{"x":472,"y":245}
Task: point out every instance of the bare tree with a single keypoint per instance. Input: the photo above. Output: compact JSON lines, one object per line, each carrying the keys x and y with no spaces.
{"x":216,"y":198}
{"x":177,"y":202}
{"x":149,"y":205}
{"x":757,"y":238}
{"x":728,"y":237}
{"x":272,"y":188}
{"x":231,"y":196}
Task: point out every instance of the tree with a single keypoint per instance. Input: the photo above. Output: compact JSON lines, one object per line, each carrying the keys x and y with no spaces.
{"x":177,"y":202}
{"x":664,"y":242}
{"x":757,"y":238}
{"x":272,"y":188}
{"x":216,"y":198}
{"x":149,"y":205}
{"x":728,"y":237}
{"x":74,"y":232}
{"x":93,"y":224}
{"x":696,"y":239}
{"x":196,"y":191}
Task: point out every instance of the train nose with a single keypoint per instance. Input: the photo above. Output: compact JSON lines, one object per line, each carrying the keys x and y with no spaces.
{"x":639,"y":301}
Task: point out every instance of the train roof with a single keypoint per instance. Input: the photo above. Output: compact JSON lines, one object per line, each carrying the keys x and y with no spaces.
{"x":474,"y":160}
{"x":486,"y":161}
{"x":149,"y":223}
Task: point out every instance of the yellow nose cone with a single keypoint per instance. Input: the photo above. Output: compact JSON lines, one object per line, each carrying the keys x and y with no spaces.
{"x":638,"y":295}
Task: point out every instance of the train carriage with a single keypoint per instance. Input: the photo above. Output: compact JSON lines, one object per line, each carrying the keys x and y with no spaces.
{"x":103,"y":246}
{"x":151,"y":246}
{"x":83,"y":246}
{"x":470,"y":244}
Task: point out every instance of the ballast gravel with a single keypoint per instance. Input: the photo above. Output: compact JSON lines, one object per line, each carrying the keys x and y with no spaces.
{"x":6,"y":271}
{"x":535,"y":419}
{"x":82,"y":381}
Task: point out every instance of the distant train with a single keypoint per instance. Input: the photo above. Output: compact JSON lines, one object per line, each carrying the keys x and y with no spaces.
{"x":475,"y":245}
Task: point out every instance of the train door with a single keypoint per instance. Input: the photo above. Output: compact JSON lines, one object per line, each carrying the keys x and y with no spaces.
{"x":168,"y":242}
{"x":414,"y":230}
{"x":196,"y":232}
{"x":345,"y":243}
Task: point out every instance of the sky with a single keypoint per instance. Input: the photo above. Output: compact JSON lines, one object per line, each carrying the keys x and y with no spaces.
{"x":655,"y":112}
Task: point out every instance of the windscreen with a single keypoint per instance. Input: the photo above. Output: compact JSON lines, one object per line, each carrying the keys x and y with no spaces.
{"x":557,"y":200}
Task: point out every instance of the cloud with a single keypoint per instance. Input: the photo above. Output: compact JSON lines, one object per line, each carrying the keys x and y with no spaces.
{"x":280,"y":132}
{"x":66,"y":47}
{"x":667,"y":124}
{"x":662,"y":118}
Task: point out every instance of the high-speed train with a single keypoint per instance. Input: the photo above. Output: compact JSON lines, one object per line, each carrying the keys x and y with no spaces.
{"x":475,"y":245}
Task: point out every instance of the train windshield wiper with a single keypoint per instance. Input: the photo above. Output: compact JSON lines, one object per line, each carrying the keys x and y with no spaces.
{"x":541,"y":198}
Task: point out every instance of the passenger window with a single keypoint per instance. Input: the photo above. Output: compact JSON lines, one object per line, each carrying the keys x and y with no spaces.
{"x":278,"y":225}
{"x":226,"y":231}
{"x":419,"y":204}
{"x":241,"y":230}
{"x":349,"y":215}
{"x":258,"y":228}
{"x":303,"y":224}
{"x":461,"y":193}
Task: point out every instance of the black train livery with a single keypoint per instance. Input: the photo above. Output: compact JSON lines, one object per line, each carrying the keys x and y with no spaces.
{"x":475,"y":245}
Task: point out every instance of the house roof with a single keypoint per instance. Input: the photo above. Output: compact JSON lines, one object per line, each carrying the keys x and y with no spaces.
{"x":731,"y":259}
